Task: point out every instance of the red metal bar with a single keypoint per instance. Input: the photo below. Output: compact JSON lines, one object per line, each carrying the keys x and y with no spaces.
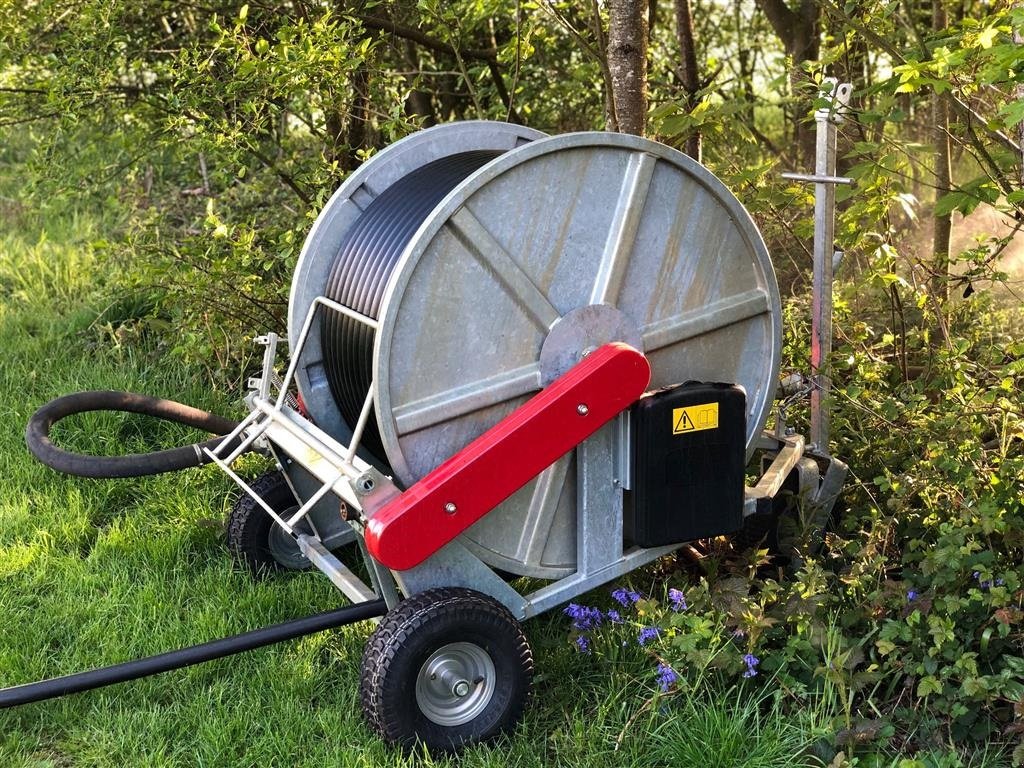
{"x":434,"y":511}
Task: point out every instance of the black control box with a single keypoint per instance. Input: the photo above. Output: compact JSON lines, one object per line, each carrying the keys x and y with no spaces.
{"x":689,"y":453}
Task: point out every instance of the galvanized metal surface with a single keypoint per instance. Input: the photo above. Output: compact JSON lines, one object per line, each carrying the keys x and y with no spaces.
{"x":339,"y":214}
{"x":324,"y":517}
{"x":603,"y":473}
{"x":455,"y":684}
{"x":599,"y":524}
{"x":826,"y":120}
{"x":530,"y":242}
{"x":455,"y":566}
{"x":350,"y":585}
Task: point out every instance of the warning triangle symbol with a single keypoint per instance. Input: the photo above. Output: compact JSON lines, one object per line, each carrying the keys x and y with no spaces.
{"x":685,"y":424}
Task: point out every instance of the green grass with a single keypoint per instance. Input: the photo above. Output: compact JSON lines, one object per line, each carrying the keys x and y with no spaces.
{"x":97,"y":572}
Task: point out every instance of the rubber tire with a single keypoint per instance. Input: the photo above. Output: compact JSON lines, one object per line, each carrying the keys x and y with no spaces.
{"x":409,"y":634}
{"x":249,"y":526}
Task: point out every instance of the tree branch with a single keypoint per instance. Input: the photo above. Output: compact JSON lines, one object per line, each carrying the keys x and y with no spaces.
{"x":962,"y":107}
{"x":416,"y":36}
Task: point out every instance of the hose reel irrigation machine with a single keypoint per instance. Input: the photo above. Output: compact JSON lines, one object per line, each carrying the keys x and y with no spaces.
{"x":510,"y":354}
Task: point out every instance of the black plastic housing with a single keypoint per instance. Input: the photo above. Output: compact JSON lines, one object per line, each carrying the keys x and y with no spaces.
{"x":689,"y":453}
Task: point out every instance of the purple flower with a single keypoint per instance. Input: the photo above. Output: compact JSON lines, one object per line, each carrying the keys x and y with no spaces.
{"x":583,"y":644}
{"x":614,"y":617}
{"x":625,"y":597}
{"x":751,"y":661}
{"x":678,"y":600}
{"x":1000,"y":582}
{"x":667,"y":677}
{"x":583,"y":617}
{"x":911,"y":595}
{"x":647,"y":634}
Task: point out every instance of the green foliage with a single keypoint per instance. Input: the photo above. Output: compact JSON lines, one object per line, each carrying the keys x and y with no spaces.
{"x":906,"y":630}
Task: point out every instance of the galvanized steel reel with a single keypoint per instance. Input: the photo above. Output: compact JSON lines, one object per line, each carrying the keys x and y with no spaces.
{"x":550,"y":249}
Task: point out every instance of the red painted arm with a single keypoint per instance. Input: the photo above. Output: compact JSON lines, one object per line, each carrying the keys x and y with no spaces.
{"x":434,"y":511}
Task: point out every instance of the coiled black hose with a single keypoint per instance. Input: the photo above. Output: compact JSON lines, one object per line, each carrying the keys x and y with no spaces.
{"x":366,"y":258}
{"x":37,"y":435}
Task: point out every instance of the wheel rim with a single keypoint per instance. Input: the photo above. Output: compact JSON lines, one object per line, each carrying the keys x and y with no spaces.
{"x":283,"y":548}
{"x":455,"y":684}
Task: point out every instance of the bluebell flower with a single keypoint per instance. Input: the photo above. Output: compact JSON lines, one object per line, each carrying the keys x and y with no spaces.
{"x":678,"y":600}
{"x":751,"y":661}
{"x":625,"y":597}
{"x":647,"y":634}
{"x":667,"y":677}
{"x":911,"y":595}
{"x":583,"y":644}
{"x":983,"y":583}
{"x":614,"y":617}
{"x":583,"y":617}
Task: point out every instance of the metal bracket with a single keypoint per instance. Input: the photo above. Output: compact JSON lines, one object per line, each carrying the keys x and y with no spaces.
{"x":373,"y":489}
{"x":838,"y":97}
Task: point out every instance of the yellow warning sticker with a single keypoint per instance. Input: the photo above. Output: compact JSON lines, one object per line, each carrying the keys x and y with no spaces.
{"x":694,"y":418}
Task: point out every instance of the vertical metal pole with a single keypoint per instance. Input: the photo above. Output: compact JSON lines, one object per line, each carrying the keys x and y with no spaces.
{"x":821,"y":313}
{"x":824,"y":249}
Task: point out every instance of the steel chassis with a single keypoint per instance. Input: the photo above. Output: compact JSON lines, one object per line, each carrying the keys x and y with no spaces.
{"x":329,"y":477}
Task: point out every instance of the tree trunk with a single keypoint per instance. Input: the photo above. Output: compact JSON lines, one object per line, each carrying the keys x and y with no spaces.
{"x":688,"y":70}
{"x":356,"y":132}
{"x":627,"y":63}
{"x":1018,"y":94}
{"x":417,"y":103}
{"x":800,"y":32}
{"x":943,"y":178}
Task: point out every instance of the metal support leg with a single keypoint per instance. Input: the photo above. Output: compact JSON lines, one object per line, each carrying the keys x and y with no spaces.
{"x":598,"y":501}
{"x":825,"y":180}
{"x":824,"y":246}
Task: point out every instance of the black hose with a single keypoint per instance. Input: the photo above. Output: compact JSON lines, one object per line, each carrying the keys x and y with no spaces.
{"x":37,"y":435}
{"x":186,"y":657}
{"x":367,"y":256}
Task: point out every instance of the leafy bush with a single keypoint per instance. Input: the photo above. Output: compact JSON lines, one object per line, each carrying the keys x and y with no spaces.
{"x":906,"y":630}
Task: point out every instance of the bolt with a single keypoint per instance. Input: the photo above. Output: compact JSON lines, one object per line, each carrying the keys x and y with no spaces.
{"x":582,"y":409}
{"x":461,"y":688}
{"x":450,"y":508}
{"x":366,"y":484}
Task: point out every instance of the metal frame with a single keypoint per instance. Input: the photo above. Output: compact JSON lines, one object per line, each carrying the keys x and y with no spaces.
{"x":603,"y":468}
{"x":603,"y":473}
